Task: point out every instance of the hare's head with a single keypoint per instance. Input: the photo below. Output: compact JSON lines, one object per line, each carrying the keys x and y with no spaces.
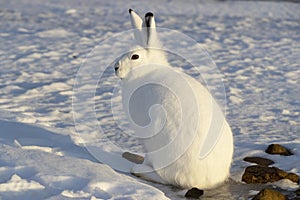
{"x":149,"y":50}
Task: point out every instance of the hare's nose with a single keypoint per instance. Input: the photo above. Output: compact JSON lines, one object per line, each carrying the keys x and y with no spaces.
{"x":117,"y":65}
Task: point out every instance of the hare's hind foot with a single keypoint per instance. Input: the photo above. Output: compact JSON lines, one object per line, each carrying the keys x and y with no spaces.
{"x":146,"y":172}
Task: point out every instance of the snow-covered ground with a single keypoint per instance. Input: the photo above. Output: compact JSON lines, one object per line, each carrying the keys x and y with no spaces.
{"x":256,"y":46}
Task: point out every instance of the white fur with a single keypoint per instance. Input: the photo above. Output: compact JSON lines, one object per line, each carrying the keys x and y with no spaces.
{"x":180,"y":126}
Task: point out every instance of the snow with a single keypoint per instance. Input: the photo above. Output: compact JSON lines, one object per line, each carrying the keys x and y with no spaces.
{"x":17,"y":184}
{"x":44,"y":45}
{"x":54,"y":33}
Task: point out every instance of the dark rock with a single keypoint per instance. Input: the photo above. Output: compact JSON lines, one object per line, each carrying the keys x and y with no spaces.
{"x":259,"y":160}
{"x":278,"y":149}
{"x":194,"y":193}
{"x":265,"y":174}
{"x":268,"y":194}
{"x":133,"y":157}
{"x":293,"y":177}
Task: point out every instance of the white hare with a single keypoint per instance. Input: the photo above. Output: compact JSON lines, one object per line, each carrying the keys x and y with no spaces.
{"x":187,"y":141}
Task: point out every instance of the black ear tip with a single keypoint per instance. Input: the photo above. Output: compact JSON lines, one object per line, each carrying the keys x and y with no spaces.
{"x":149,"y":14}
{"x":130,"y":10}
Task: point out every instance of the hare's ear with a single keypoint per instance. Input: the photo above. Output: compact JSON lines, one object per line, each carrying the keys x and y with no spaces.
{"x":151,"y":38}
{"x":137,"y":24}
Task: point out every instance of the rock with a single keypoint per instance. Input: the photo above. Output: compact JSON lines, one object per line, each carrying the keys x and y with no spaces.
{"x":293,"y":177}
{"x":268,"y":194}
{"x":265,"y":174}
{"x":259,"y":160}
{"x":194,"y":193}
{"x":133,"y":157}
{"x":297,"y":192}
{"x":278,"y":149}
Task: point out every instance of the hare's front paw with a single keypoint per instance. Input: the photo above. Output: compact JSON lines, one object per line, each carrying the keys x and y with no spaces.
{"x":146,"y":172}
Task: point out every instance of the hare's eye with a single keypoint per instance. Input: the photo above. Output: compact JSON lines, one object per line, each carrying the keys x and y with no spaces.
{"x":135,"y":57}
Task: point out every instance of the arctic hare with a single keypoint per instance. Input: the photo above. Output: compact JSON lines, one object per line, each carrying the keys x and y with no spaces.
{"x":176,"y":118}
